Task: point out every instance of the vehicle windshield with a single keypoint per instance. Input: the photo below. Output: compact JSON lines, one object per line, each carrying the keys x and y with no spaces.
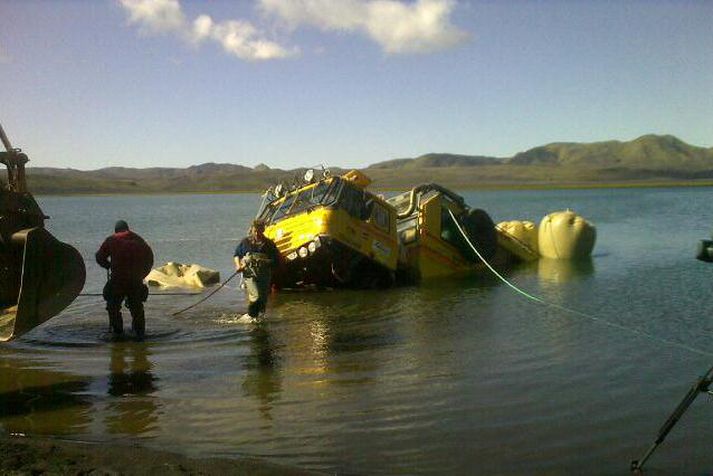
{"x":324,"y":193}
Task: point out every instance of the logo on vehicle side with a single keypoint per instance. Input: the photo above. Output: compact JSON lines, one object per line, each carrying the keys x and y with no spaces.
{"x":380,"y":248}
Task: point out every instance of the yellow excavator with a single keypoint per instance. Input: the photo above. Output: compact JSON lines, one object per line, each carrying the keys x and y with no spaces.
{"x":39,"y":275}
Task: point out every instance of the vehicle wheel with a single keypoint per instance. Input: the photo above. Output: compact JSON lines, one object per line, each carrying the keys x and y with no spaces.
{"x":481,"y":231}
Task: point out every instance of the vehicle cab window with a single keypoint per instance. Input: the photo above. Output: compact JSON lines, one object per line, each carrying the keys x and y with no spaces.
{"x":380,"y":216}
{"x":353,"y":202}
{"x":322,"y":193}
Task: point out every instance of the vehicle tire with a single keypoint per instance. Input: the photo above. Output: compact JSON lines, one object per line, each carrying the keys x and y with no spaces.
{"x":481,"y":232}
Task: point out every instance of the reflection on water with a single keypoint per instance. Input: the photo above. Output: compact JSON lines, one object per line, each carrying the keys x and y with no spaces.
{"x":40,"y":401}
{"x":262,"y":370}
{"x":130,"y":370}
{"x":133,"y":410}
{"x":556,"y":272}
{"x":333,"y":327}
{"x":450,"y":377}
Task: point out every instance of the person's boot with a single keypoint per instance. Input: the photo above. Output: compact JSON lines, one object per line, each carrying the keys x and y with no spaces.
{"x":116,"y":322}
{"x":138,"y":323}
{"x":254,"y":309}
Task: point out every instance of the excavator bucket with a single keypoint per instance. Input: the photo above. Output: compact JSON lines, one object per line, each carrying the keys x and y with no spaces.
{"x":39,"y":275}
{"x":51,"y":276}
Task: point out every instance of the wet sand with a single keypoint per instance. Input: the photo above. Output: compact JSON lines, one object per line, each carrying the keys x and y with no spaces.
{"x":38,"y":456}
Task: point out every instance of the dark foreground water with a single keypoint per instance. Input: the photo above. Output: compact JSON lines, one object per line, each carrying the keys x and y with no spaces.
{"x":454,"y":377}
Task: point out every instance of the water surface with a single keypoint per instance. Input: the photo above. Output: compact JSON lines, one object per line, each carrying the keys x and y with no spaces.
{"x":454,"y":377}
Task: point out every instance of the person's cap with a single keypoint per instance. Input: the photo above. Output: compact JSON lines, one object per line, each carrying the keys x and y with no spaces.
{"x":121,"y":225}
{"x":259,"y":224}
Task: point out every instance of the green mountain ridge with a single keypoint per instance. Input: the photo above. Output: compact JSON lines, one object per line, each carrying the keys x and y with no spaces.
{"x":438,"y":160}
{"x":646,"y":152}
{"x":662,"y":158}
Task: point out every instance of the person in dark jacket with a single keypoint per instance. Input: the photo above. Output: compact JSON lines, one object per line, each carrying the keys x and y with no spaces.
{"x":257,"y":257}
{"x":129,"y":259}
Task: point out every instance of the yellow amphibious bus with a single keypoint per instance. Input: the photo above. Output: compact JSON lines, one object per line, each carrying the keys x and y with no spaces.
{"x":332,"y":232}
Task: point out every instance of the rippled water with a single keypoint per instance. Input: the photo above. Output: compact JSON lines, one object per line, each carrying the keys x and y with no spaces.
{"x":462,"y":376}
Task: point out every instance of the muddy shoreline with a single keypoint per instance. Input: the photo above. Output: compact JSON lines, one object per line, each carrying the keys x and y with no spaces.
{"x":50,"y":456}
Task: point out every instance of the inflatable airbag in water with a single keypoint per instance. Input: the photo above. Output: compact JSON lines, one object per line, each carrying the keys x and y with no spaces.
{"x":566,"y":235}
{"x":520,"y":238}
{"x":182,"y":275}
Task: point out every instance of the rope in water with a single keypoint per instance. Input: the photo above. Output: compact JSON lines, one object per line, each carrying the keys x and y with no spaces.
{"x":209,"y":295}
{"x":573,"y":311}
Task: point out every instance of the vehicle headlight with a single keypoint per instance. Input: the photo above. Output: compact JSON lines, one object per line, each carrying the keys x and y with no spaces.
{"x":292,"y":256}
{"x":312,"y":247}
{"x":302,"y":252}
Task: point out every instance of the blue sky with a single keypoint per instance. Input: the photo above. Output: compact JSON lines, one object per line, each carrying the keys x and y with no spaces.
{"x":140,"y":83}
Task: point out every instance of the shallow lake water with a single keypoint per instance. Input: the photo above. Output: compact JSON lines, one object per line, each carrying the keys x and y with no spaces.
{"x":460,"y":376}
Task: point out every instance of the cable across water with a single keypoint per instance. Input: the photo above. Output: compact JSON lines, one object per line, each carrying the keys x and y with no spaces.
{"x":209,"y":295}
{"x":572,"y":311}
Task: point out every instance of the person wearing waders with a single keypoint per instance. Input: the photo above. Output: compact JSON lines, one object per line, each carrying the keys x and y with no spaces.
{"x":257,"y":257}
{"x":129,"y":259}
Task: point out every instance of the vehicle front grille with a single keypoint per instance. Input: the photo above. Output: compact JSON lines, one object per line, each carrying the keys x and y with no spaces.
{"x":283,"y":244}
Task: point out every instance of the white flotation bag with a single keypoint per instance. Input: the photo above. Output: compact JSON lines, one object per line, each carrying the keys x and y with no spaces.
{"x":182,"y":275}
{"x":566,"y":235}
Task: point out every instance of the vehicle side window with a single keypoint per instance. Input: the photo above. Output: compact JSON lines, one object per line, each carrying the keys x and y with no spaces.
{"x":380,"y":216}
{"x":332,"y":192}
{"x":317,"y":194}
{"x":449,"y":231}
{"x":352,"y":201}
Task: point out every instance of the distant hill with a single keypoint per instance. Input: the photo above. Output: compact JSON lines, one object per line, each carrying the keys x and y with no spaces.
{"x":650,"y":158}
{"x":647,"y":152}
{"x":438,"y":160}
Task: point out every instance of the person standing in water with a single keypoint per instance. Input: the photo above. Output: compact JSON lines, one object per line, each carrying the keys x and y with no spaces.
{"x":129,"y":259}
{"x":257,"y":257}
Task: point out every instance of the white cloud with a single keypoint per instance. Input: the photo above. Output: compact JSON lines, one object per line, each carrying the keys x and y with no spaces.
{"x":237,"y":37}
{"x":202,"y":27}
{"x":156,"y":16}
{"x":397,"y":26}
{"x":325,"y":14}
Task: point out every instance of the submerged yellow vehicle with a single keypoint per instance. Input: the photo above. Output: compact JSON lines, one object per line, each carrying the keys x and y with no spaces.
{"x":431,"y":222}
{"x":332,"y":232}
